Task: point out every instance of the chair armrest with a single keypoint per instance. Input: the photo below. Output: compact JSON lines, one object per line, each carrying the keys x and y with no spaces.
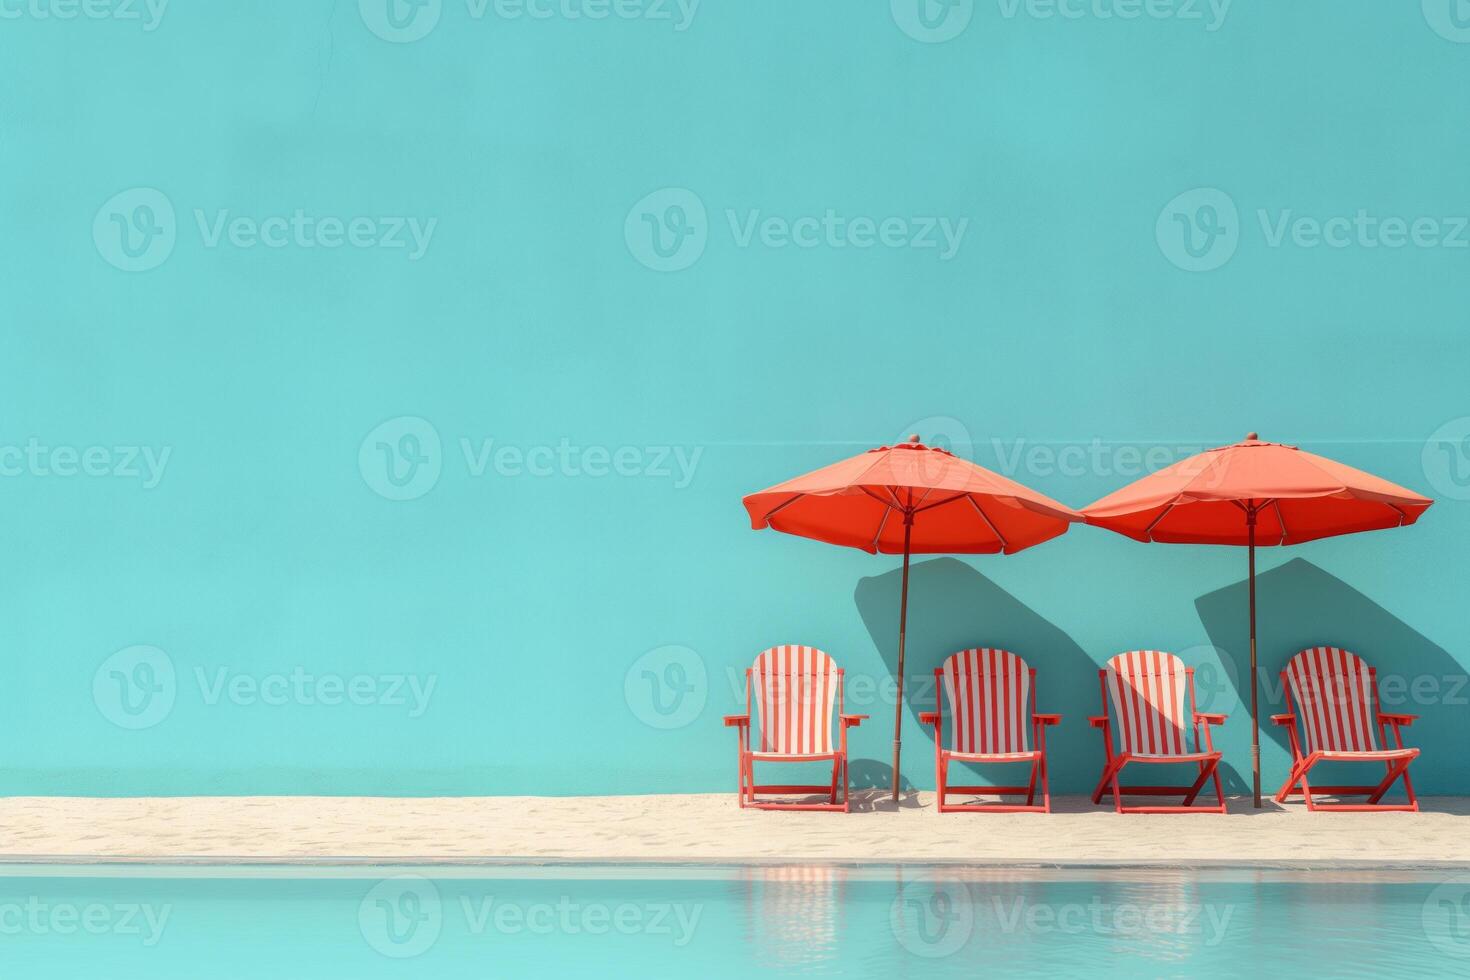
{"x":737,"y":721}
{"x":1390,"y":718}
{"x":1046,"y":719}
{"x":1098,"y":721}
{"x":852,"y":721}
{"x":1283,"y":719}
{"x":1209,"y":718}
{"x":928,"y":717}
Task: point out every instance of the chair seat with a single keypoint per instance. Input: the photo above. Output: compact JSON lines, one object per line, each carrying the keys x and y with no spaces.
{"x":1379,"y":755}
{"x":792,"y":756}
{"x":993,"y":756}
{"x":1171,"y":757}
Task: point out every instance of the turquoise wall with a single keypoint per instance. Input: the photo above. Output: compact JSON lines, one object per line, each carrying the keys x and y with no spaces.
{"x":380,"y":383}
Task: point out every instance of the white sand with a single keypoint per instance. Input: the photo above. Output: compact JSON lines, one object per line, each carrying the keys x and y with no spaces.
{"x":711,"y":828}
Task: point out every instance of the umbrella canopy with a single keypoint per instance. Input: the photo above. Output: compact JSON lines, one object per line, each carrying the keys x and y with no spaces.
{"x":1296,"y":497}
{"x":910,"y":499}
{"x":1254,"y":493}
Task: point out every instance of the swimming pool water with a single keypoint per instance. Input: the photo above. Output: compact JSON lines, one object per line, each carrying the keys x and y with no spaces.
{"x":723,"y":922}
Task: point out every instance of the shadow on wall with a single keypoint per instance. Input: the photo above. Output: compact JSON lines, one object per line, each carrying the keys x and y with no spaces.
{"x":953,"y":607}
{"x":1298,"y":605}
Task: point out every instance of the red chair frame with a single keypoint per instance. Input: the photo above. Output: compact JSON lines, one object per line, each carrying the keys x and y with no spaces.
{"x":747,"y":759}
{"x":1208,"y":760}
{"x":1036,"y":756}
{"x":1396,"y":760}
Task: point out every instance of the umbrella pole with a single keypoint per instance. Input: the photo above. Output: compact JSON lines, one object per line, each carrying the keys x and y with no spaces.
{"x":1250,"y":521}
{"x":903,"y":622}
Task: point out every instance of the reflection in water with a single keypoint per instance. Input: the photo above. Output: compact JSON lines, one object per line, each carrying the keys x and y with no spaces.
{"x":793,"y":914}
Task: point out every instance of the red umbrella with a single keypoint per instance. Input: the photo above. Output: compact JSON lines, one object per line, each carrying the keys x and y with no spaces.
{"x":1254,"y":493}
{"x":910,"y":499}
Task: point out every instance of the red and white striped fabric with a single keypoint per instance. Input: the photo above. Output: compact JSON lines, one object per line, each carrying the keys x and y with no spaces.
{"x":794,"y":689}
{"x":989,"y":695}
{"x":1334,"y":697}
{"x":1148,"y":689}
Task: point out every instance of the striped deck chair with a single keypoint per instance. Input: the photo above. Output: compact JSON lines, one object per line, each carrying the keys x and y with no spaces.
{"x":794,"y":689}
{"x":992,"y":712}
{"x":1148,"y":704}
{"x":1334,"y":696}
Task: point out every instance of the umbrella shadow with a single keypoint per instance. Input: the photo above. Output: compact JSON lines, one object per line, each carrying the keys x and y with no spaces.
{"x":1299,"y":605}
{"x":953,"y":607}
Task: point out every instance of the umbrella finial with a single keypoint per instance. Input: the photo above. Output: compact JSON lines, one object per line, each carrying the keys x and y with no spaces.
{"x":914,"y":437}
{"x":1252,"y":437}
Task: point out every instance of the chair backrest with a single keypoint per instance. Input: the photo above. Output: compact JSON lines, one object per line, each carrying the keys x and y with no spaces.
{"x":794,"y":689}
{"x":991,"y":699}
{"x":1152,"y":699}
{"x":1336,"y":699}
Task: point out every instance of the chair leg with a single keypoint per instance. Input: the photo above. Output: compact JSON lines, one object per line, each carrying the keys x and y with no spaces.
{"x":943,"y":771}
{"x":1031,"y":786}
{"x":836,"y":769}
{"x":1205,"y":768}
{"x":1107,"y":777}
{"x":1287,"y":787}
{"x":1117,"y":790}
{"x":1395,"y":769}
{"x":1045,"y":792}
{"x":1409,"y":789}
